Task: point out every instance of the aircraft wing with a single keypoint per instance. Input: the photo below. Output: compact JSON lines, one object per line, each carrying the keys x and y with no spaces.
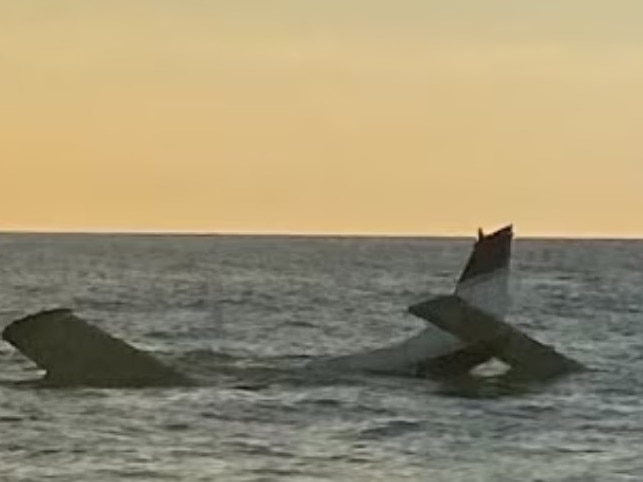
{"x":75,"y":353}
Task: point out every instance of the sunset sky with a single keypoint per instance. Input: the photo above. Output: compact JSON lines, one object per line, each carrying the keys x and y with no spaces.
{"x":322,"y":116}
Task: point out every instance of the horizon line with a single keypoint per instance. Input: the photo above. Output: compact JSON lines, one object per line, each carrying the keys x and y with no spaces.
{"x":312,"y":234}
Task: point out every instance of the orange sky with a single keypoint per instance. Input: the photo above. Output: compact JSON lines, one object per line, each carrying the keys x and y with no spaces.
{"x":334,"y":116}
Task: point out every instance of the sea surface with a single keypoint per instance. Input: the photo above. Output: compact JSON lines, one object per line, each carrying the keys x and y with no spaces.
{"x":244,"y":315}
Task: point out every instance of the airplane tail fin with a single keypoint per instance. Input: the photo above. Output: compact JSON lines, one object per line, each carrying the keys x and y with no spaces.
{"x":484,"y":282}
{"x":75,"y":353}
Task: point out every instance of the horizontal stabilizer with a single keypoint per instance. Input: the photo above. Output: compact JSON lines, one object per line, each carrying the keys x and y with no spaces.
{"x":75,"y":353}
{"x":528,"y":358}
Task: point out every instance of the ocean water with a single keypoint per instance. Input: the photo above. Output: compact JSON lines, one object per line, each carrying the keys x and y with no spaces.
{"x":245,"y":314}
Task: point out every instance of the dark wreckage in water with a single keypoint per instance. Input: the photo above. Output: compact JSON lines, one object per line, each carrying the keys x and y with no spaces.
{"x":465,"y":329}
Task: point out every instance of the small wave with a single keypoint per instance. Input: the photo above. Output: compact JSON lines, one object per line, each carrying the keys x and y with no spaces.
{"x":299,"y":324}
{"x":325,"y":402}
{"x":257,"y":448}
{"x":335,"y":405}
{"x":207,"y":356}
{"x":295,"y":357}
{"x":177,"y":427}
{"x":100,"y":305}
{"x":162,"y":335}
{"x":391,"y":429}
{"x":274,"y":473}
{"x":144,"y":474}
{"x":11,"y":419}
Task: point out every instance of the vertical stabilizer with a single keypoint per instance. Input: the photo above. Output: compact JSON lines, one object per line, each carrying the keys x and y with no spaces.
{"x":484,"y":283}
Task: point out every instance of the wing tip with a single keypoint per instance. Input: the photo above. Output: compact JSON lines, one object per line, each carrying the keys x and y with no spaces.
{"x":58,"y":311}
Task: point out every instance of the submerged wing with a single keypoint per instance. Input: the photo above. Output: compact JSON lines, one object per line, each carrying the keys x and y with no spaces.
{"x":73,"y":352}
{"x":406,"y":358}
{"x":528,"y":358}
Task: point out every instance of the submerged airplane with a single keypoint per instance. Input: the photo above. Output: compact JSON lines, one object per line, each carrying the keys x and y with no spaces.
{"x":475,"y":314}
{"x":439,"y":352}
{"x":465,"y":330}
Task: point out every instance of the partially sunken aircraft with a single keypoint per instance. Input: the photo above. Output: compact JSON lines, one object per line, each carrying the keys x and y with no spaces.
{"x":465,"y":330}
